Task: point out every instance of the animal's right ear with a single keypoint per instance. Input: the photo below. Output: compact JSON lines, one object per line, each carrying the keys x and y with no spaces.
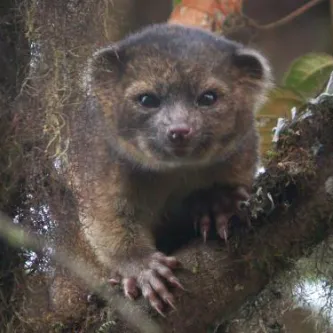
{"x":107,"y":64}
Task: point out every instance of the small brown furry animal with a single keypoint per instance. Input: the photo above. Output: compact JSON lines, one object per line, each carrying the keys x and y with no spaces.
{"x":171,"y":112}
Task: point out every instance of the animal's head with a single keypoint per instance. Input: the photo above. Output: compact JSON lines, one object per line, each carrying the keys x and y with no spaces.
{"x":176,"y":96}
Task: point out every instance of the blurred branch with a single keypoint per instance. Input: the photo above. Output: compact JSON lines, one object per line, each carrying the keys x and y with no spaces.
{"x":288,"y":18}
{"x":18,"y":237}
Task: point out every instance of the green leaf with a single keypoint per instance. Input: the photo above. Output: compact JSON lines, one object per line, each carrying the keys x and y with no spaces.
{"x":309,"y":73}
{"x":279,"y":104}
{"x":280,"y":101}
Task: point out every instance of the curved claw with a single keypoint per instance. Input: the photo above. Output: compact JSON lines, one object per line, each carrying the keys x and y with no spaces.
{"x":222,"y":221}
{"x":171,"y":304}
{"x":114,"y":282}
{"x":130,"y":288}
{"x":205,"y":227}
{"x":149,"y":279}
{"x":175,"y":282}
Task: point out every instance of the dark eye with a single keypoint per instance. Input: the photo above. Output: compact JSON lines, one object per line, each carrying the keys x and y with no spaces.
{"x":149,"y":101}
{"x":207,"y":98}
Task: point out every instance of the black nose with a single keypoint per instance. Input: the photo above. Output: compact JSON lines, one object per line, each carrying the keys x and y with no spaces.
{"x":179,"y":134}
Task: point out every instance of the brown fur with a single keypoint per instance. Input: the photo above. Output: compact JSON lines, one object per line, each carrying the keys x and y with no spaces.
{"x":129,"y":186}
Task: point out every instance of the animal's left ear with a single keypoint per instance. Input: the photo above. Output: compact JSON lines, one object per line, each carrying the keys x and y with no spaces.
{"x":251,"y":66}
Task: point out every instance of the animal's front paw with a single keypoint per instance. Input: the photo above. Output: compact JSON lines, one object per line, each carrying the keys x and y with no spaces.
{"x":215,"y":207}
{"x":149,"y":276}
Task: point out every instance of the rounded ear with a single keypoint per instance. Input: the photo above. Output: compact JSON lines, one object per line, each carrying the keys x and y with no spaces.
{"x":106,"y":63}
{"x":104,"y":66}
{"x":252,"y":66}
